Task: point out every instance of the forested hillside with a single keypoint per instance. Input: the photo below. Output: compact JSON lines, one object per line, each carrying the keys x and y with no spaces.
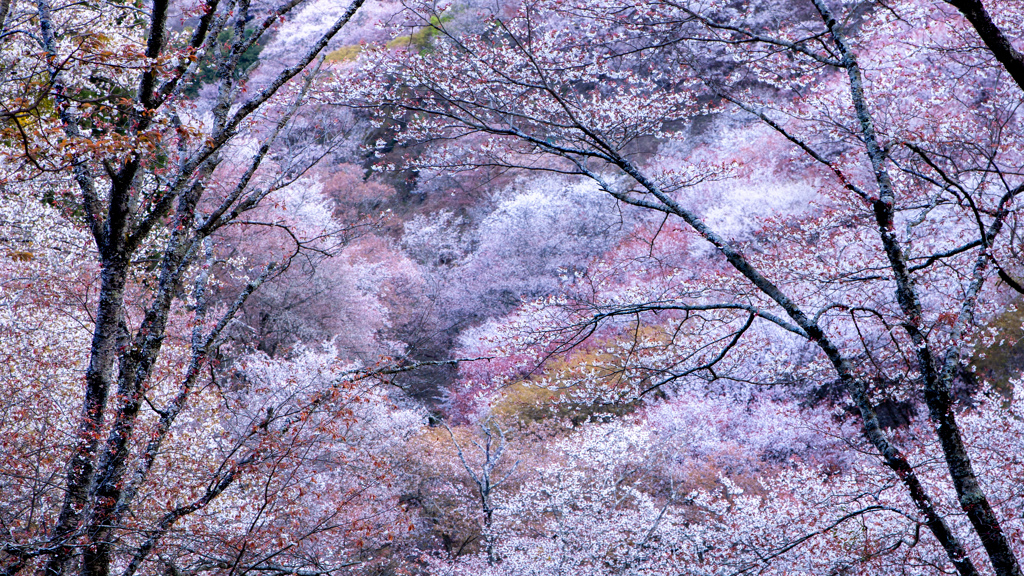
{"x":530,"y":287}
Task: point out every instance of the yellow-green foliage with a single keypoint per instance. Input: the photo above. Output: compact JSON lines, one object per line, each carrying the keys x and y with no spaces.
{"x":30,"y":107}
{"x":345,"y":53}
{"x":528,"y":403}
{"x":420,"y":39}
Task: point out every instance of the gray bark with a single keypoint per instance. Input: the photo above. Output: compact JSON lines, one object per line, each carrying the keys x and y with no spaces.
{"x":99,"y":493}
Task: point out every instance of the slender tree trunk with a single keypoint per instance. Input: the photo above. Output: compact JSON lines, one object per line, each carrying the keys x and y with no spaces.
{"x":993,"y":37}
{"x":5,"y":9}
{"x":891,"y":455}
{"x":81,"y":467}
{"x":936,"y":388}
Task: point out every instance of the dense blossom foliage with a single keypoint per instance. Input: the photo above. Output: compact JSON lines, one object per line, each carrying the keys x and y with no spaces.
{"x":532,"y":287}
{"x":885,"y":277}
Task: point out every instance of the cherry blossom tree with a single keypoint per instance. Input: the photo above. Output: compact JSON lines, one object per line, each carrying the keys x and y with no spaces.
{"x":891,"y":271}
{"x":697,"y":486}
{"x":121,"y":188}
